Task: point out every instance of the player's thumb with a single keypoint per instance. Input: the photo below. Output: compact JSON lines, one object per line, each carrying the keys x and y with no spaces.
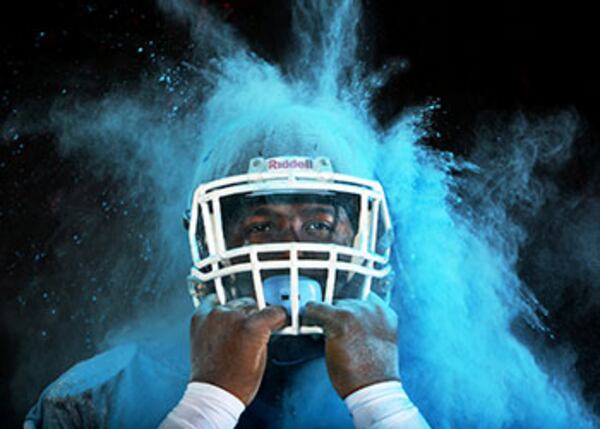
{"x":268,"y":319}
{"x":320,"y":314}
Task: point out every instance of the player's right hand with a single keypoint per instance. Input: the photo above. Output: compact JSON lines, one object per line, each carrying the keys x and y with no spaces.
{"x":229,"y":344}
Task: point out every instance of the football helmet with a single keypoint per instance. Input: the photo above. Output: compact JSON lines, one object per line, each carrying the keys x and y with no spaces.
{"x":282,"y":268}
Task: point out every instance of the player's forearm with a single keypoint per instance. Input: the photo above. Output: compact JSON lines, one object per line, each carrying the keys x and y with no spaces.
{"x":204,"y":405}
{"x":379,"y":406}
{"x":384,"y":406}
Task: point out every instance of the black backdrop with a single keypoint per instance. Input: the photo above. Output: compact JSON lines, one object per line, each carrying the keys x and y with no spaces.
{"x":492,"y":56}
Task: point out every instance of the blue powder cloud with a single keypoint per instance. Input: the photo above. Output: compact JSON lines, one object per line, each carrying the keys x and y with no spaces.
{"x":457,"y":242}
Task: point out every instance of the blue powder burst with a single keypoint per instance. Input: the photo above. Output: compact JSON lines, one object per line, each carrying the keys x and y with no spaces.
{"x":457,"y":293}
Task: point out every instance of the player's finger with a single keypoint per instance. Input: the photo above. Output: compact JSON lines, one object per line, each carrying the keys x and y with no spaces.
{"x":244,"y":304}
{"x":376,"y":299}
{"x":386,"y":310}
{"x":348,"y":303}
{"x":207,"y":304}
{"x":321,"y":314}
{"x":373,"y":306}
{"x":268,"y":319}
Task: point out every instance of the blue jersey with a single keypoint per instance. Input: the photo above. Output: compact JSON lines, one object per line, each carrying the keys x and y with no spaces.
{"x":136,"y":385}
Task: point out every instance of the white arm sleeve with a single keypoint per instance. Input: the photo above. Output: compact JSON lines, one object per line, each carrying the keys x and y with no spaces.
{"x":204,"y":405}
{"x":384,"y":406}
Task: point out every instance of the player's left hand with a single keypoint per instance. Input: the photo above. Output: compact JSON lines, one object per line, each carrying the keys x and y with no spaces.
{"x":360,"y":341}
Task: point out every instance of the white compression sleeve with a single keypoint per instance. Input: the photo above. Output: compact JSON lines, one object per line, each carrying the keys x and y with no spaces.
{"x":384,"y":406}
{"x":204,"y":405}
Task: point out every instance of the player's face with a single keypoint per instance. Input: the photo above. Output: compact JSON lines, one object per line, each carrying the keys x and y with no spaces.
{"x":290,"y":221}
{"x":289,"y":218}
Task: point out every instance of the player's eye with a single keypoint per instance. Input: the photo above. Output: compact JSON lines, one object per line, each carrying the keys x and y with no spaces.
{"x":318,"y":228}
{"x":258,"y":228}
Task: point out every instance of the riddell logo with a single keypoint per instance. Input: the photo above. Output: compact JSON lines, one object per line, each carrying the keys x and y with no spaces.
{"x":304,"y":163}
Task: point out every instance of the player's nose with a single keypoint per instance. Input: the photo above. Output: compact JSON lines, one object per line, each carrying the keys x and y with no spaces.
{"x":291,"y":233}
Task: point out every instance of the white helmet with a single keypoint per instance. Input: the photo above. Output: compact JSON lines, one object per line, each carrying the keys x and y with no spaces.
{"x":283,"y":272}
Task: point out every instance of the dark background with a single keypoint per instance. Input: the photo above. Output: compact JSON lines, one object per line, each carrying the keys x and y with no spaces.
{"x":493,"y":56}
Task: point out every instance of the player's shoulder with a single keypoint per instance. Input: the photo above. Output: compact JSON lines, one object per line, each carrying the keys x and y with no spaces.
{"x":94,"y":372}
{"x":107,"y":388}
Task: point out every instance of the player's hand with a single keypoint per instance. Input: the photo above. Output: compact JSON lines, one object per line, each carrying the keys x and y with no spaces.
{"x":360,"y":342}
{"x":229,"y":344}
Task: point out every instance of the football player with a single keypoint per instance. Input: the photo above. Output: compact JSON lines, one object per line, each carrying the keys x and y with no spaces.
{"x":291,"y":259}
{"x":291,"y":278}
